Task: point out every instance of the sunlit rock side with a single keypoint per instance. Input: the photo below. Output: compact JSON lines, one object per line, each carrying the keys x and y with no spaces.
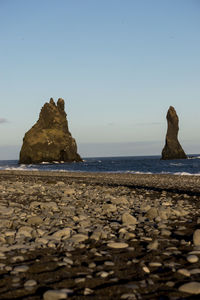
{"x":49,"y":139}
{"x":172,"y":149}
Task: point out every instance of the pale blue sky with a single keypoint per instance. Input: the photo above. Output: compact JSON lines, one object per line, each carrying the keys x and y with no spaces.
{"x":119,"y":65}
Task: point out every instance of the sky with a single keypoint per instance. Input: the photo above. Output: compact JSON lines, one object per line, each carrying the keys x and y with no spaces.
{"x":118,"y":64}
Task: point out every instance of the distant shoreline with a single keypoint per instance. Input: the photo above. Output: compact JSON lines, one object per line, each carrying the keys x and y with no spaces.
{"x":176,"y":183}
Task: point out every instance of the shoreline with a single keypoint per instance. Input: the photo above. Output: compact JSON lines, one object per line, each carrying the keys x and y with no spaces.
{"x":169,"y":182}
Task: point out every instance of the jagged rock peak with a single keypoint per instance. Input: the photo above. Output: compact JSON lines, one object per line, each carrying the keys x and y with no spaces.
{"x":172,"y":148}
{"x":49,"y":139}
{"x":61,"y":104}
{"x":52,"y":101}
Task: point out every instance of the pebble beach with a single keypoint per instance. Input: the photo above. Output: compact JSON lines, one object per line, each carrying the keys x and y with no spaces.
{"x":72,"y":235}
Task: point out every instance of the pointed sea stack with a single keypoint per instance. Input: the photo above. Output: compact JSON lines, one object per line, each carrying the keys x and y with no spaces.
{"x":49,"y":139}
{"x":172,"y":149}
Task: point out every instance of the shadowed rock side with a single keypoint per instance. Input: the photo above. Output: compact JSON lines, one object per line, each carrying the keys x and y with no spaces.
{"x":49,"y":139}
{"x":172,"y":149}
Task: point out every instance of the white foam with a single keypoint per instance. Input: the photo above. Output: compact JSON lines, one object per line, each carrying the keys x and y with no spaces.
{"x":176,"y":164}
{"x":20,"y":168}
{"x":71,"y":171}
{"x":135,"y":172}
{"x":186,"y":173}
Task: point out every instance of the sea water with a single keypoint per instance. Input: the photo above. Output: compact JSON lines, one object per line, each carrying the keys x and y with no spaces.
{"x":127,"y":164}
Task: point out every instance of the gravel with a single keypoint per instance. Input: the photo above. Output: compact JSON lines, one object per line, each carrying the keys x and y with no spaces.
{"x":112,"y":236}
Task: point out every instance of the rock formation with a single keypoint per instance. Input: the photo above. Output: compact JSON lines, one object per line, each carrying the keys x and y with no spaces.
{"x":172,"y":149}
{"x":49,"y":139}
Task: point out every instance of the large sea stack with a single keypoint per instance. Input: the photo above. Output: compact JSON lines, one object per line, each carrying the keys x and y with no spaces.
{"x":49,"y":139}
{"x":172,"y":149}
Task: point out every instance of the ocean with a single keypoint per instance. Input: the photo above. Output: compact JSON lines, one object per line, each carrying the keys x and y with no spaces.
{"x":127,"y":164}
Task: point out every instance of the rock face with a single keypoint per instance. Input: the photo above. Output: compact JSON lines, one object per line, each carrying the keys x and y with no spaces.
{"x":49,"y":139}
{"x":172,"y":149}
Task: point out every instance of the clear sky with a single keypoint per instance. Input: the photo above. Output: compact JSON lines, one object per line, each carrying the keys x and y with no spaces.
{"x":119,"y":65}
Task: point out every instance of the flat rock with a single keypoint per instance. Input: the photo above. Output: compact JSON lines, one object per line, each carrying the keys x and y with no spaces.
{"x":196,"y":237}
{"x":195,"y":271}
{"x":21,"y":269}
{"x":184,"y":272}
{"x":56,"y":294}
{"x":35,"y":220}
{"x":191,"y":288}
{"x":49,"y":206}
{"x":65,"y":232}
{"x":78,"y":238}
{"x":117,"y":245}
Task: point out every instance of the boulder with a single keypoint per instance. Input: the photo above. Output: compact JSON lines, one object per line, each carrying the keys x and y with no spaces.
{"x":49,"y":139}
{"x":172,"y":149}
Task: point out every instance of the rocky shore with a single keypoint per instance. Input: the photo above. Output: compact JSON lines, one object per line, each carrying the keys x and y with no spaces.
{"x":99,"y":236}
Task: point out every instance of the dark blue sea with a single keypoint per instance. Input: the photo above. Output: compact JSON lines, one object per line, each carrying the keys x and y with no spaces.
{"x":128,"y":164}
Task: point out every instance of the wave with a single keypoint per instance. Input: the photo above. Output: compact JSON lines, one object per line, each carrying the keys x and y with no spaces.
{"x":114,"y":165}
{"x":177,"y":164}
{"x":137,"y":172}
{"x":24,"y":168}
{"x":186,"y":173}
{"x":20,"y":168}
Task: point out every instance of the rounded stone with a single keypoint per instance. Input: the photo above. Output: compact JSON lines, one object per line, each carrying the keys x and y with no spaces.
{"x":104,"y":274}
{"x":128,"y":296}
{"x":165,"y":232}
{"x":57,"y":294}
{"x":30,"y":283}
{"x":117,"y":245}
{"x":196,"y":237}
{"x":35,"y":220}
{"x":155,"y":264}
{"x":184,"y":272}
{"x":65,"y":232}
{"x":17,"y":258}
{"x":78,"y":238}
{"x":88,"y":291}
{"x":146,"y":269}
{"x":21,"y":269}
{"x":190,"y":288}
{"x":192,"y":258}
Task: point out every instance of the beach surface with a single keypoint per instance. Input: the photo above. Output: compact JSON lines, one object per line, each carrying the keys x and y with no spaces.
{"x":179,"y":183}
{"x":99,"y":236}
